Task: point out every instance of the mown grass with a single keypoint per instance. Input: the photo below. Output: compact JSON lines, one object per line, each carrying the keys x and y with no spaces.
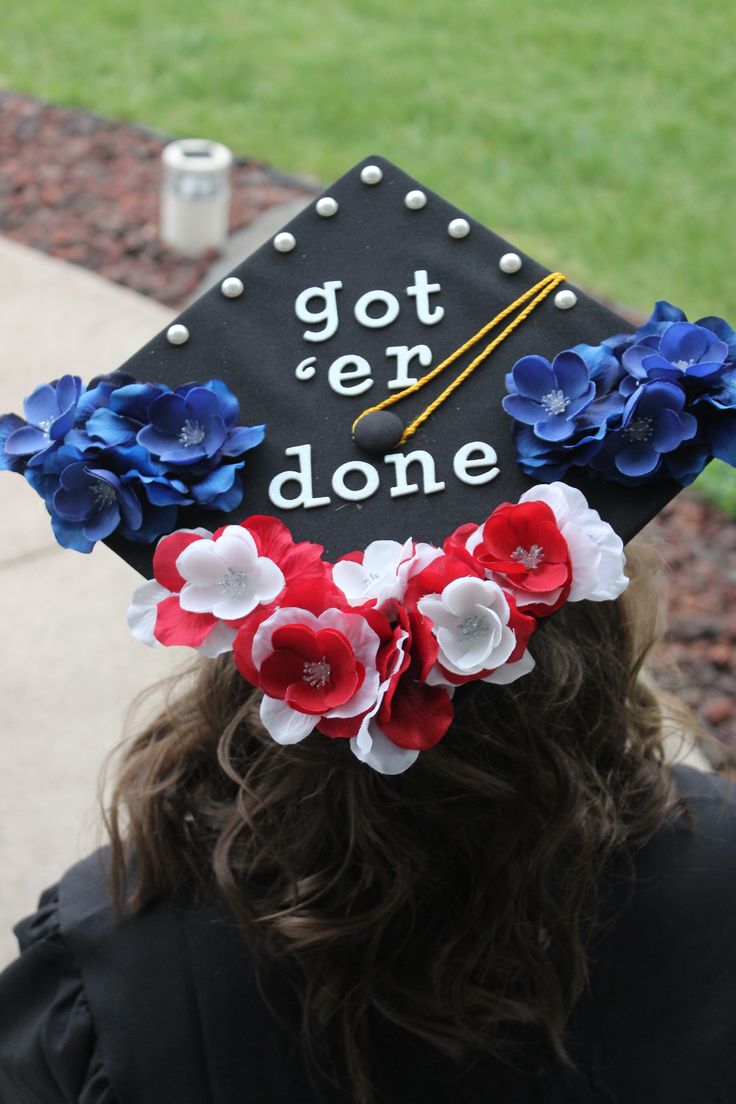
{"x":598,"y":136}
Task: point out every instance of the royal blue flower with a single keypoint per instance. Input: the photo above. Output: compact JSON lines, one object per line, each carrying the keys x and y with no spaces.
{"x":549,"y":396}
{"x":545,"y":461}
{"x":591,"y":371}
{"x":135,"y":466}
{"x":8,"y":424}
{"x":50,"y":411}
{"x":95,"y":501}
{"x":184,"y":430}
{"x":716,"y":413}
{"x":99,"y":392}
{"x":221,"y":489}
{"x":654,"y":422}
{"x":126,"y":457}
{"x":196,"y":423}
{"x":685,"y":353}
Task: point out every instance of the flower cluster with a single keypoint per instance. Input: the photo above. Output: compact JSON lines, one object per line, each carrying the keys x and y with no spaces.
{"x":372,"y":648}
{"x":125,"y":456}
{"x":660,"y":402}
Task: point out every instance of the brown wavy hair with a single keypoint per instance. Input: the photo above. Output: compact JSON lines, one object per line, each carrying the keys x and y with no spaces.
{"x":455,"y":900}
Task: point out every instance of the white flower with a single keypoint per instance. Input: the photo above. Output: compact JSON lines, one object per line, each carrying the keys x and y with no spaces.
{"x":385,"y":571}
{"x":596,"y":551}
{"x":470,"y":620}
{"x":225,"y":576}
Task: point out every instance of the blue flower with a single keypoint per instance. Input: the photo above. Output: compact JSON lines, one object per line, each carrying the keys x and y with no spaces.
{"x":654,"y":422}
{"x":547,"y":462}
{"x":126,"y":413}
{"x":196,"y":422}
{"x":549,"y":396}
{"x":95,"y":501}
{"x":686,"y":353}
{"x":221,"y":489}
{"x":716,"y":412}
{"x":8,"y":424}
{"x":99,"y":392}
{"x":586,"y":396}
{"x":50,"y":411}
{"x":125,"y":457}
{"x":184,"y":430}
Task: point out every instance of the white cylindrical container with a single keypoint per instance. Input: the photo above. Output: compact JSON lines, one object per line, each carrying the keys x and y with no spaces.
{"x":195,"y":195}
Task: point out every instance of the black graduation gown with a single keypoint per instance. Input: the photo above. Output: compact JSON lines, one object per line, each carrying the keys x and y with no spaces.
{"x":164,"y":1008}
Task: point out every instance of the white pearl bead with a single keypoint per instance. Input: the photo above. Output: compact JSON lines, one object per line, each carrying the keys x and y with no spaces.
{"x":415,"y":200}
{"x":510,"y":262}
{"x":371,"y":174}
{"x":284,"y":242}
{"x":565,"y":299}
{"x":177,"y":334}
{"x":459,"y":228}
{"x":326,"y":206}
{"x":231,"y":287}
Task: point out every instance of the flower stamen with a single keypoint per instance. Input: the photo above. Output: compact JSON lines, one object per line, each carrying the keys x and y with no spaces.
{"x":191,"y":433}
{"x":530,"y":558}
{"x":316,"y":673}
{"x":639,"y":429}
{"x":555,"y":402}
{"x":234,"y":584}
{"x":472,"y":627}
{"x":103,"y":494}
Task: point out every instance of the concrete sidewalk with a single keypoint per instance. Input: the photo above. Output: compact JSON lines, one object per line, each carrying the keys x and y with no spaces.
{"x":70,"y":667}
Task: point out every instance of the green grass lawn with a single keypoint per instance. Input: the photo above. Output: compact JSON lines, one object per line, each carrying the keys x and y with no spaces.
{"x":597,"y":136}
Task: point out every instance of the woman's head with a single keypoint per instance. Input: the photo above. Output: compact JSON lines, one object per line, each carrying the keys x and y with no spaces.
{"x":454,"y":899}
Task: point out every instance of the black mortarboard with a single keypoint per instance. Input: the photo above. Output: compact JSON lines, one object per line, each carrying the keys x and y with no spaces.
{"x":399,"y":279}
{"x":377,"y":453}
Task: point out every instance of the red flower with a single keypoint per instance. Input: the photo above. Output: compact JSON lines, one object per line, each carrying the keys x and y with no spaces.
{"x":523,"y":549}
{"x":414,"y":715}
{"x":311,"y":671}
{"x":311,"y":668}
{"x":409,"y":713}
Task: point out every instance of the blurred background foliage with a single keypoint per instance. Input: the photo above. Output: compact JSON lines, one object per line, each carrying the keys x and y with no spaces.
{"x":598,"y":137}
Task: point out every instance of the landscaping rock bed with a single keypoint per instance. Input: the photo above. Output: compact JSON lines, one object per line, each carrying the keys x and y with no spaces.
{"x":86,"y":189}
{"x":698,"y":657}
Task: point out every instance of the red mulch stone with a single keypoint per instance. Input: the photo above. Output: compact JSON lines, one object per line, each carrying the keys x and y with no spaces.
{"x":699,"y":546}
{"x":86,"y":189}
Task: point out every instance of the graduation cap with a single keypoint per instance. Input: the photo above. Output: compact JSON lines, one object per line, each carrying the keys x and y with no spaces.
{"x":397,"y":423}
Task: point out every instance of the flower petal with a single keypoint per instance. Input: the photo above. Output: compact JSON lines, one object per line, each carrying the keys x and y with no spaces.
{"x":41,"y":405}
{"x":533,"y":377}
{"x":572,"y":373}
{"x":142,"y":612}
{"x":383,"y":755}
{"x":201,"y":564}
{"x":554,"y":428}
{"x":284,"y":724}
